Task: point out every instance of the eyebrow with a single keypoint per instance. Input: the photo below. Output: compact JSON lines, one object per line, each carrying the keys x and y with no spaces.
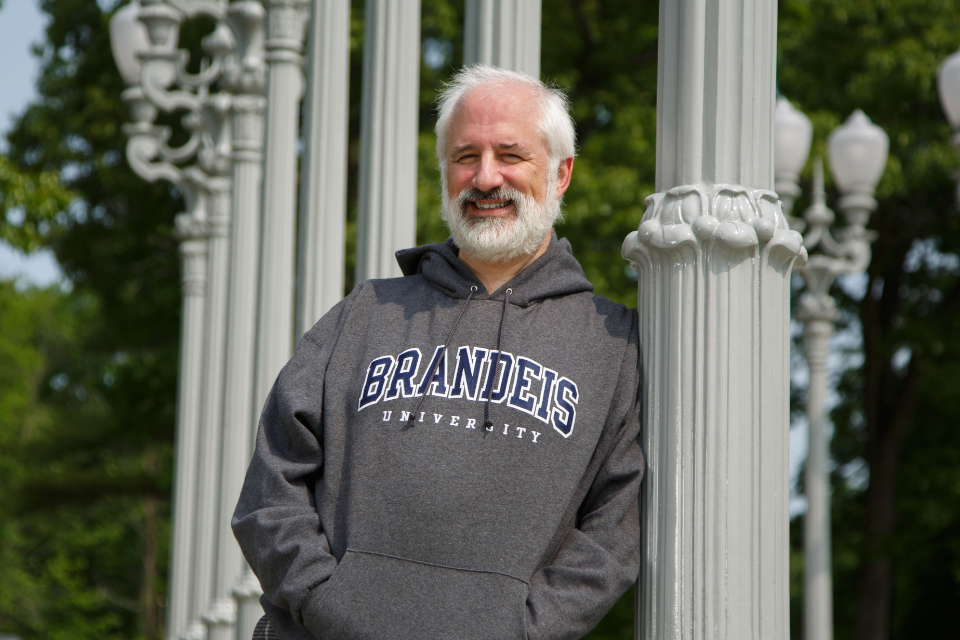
{"x":512,"y":146}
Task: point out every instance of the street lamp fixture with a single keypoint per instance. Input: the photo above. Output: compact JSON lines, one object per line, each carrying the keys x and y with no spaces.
{"x":128,"y":39}
{"x":858,"y":155}
{"x":793,"y":134}
{"x":948,"y":83}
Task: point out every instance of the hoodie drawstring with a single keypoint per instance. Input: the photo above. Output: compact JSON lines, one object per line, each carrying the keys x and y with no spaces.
{"x":436,"y":361}
{"x":487,"y":423}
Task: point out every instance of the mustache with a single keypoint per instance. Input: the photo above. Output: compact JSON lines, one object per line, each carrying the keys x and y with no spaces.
{"x":473,"y":194}
{"x":494,"y":194}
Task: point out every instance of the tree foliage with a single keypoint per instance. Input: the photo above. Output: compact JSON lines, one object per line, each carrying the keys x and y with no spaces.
{"x":84,"y":510}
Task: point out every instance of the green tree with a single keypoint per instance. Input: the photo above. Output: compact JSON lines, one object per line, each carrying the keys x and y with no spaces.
{"x":896,"y":561}
{"x":86,"y":511}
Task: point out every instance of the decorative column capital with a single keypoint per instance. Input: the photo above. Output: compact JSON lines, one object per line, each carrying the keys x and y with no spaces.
{"x":695,"y":215}
{"x":247,"y":75}
{"x":192,"y":234}
{"x":285,"y":29}
{"x":218,"y":216}
{"x":248,"y":113}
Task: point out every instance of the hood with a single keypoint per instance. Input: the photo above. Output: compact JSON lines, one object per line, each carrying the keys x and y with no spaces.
{"x":555,"y":273}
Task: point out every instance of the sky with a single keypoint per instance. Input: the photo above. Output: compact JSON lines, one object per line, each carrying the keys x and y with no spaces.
{"x":21,"y":25}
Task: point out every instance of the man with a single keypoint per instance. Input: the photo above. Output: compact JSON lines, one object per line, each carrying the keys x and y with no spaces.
{"x":453,"y":454}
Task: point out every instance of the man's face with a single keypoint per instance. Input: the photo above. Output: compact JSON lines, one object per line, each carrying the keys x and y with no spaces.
{"x":501,"y":193}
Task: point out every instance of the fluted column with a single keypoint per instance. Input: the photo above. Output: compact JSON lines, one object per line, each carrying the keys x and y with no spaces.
{"x":504,"y":33}
{"x":714,"y":255}
{"x":285,"y":22}
{"x":275,"y":299}
{"x":246,"y":80}
{"x":208,"y":460}
{"x":387,"y":207}
{"x":323,"y":188}
{"x":191,"y":232}
{"x":818,"y":582}
{"x":818,"y":312}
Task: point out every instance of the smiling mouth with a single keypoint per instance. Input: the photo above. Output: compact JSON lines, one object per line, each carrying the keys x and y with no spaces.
{"x":489,"y":206}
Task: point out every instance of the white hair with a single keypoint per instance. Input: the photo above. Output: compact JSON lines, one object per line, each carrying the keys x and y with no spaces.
{"x":556,"y":125}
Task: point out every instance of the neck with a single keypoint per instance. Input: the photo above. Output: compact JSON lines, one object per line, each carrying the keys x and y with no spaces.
{"x":494,"y":275}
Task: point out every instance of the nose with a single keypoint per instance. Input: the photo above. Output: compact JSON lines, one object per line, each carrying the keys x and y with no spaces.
{"x":488,"y":174}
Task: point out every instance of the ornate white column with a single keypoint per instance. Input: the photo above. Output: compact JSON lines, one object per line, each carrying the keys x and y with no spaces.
{"x":387,"y":207}
{"x":191,"y":232}
{"x":505,"y":33}
{"x":323,"y":188}
{"x":245,"y":80}
{"x":163,"y":83}
{"x":275,"y":306}
{"x":858,"y":154}
{"x":818,"y":314}
{"x":714,"y":255}
{"x":285,"y":31}
{"x":215,"y":161}
{"x":208,"y":458}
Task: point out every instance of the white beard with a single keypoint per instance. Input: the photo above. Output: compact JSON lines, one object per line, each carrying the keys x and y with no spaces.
{"x":496,"y":239}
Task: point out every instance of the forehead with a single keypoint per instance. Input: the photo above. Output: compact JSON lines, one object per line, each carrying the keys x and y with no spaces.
{"x":496,"y":116}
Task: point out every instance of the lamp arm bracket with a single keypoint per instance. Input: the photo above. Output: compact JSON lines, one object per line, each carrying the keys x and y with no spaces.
{"x":813,"y":236}
{"x":207,"y":76}
{"x":830,"y":245}
{"x":143,"y":147}
{"x":154,"y":88}
{"x":184,"y":151}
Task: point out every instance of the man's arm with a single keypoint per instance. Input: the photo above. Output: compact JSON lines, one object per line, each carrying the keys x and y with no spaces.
{"x":276,"y":520}
{"x":600,"y":557}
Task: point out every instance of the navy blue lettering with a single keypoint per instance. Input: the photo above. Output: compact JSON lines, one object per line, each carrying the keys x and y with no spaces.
{"x":504,"y":369}
{"x":437,"y":384}
{"x":376,"y":381}
{"x":467,"y":372}
{"x":521,"y":398}
{"x":565,"y":415}
{"x":546,"y":393}
{"x":408,"y":363}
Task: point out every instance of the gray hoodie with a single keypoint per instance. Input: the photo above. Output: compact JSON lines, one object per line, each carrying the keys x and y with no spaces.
{"x":398,"y":490}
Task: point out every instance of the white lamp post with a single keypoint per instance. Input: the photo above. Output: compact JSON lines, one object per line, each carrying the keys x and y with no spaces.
{"x":714,"y":254}
{"x":858,"y":154}
{"x":149,"y":51}
{"x":223,"y":141}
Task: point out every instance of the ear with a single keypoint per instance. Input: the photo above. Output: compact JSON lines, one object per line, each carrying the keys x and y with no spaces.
{"x":564,"y":171}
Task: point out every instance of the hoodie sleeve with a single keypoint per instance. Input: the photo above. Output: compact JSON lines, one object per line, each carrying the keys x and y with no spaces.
{"x":599,"y":558}
{"x":276,"y":521}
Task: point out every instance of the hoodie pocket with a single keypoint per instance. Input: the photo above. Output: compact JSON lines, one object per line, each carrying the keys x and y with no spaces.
{"x":377,"y":596}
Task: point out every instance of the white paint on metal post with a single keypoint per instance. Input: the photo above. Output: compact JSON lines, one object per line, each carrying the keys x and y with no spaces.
{"x":817,"y":575}
{"x":323,"y":186}
{"x":504,"y":33}
{"x":204,"y":537}
{"x":248,"y":109}
{"x":245,"y":80}
{"x":275,"y":304}
{"x":387,"y":207}
{"x":714,"y":254}
{"x":191,"y":231}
